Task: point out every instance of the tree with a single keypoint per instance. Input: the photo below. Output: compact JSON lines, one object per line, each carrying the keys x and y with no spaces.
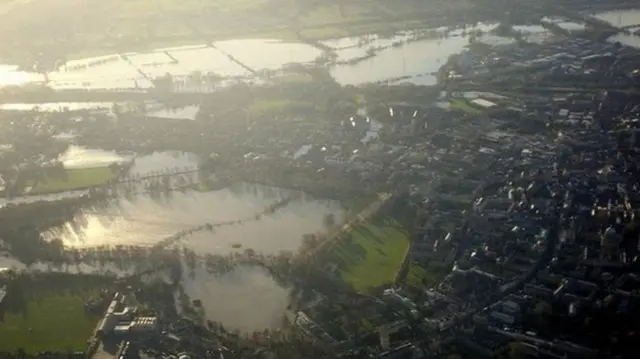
{"x":329,"y":220}
{"x":542,"y":311}
{"x":518,"y":350}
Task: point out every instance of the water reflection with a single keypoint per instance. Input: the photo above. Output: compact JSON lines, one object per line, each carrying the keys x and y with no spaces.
{"x":146,"y":221}
{"x":246,"y":298}
{"x":81,"y":157}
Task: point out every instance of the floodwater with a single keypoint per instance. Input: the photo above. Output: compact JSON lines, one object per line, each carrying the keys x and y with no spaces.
{"x":416,"y":55}
{"x":410,"y":59}
{"x":10,"y":75}
{"x":629,"y":40}
{"x":145,"y":221}
{"x":80,"y":157}
{"x":181,"y":113}
{"x":162,"y":161}
{"x":185,"y":62}
{"x":56,"y":106}
{"x":6,"y":261}
{"x":105,"y":72}
{"x":351,"y":48}
{"x":138,"y":70}
{"x":419,"y":59}
{"x":621,"y":17}
{"x":247,"y":298}
{"x":263,"y":54}
{"x":565,"y":23}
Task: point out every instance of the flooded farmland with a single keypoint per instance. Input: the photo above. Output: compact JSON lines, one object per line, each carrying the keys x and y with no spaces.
{"x":620,"y":17}
{"x":247,"y":298}
{"x":147,"y":221}
{"x":357,"y":60}
{"x":411,"y":55}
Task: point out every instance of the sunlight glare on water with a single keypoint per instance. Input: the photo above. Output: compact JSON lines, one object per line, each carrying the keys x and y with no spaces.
{"x":147,"y":221}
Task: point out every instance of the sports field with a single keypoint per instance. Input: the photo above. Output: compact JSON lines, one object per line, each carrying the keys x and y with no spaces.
{"x":76,"y":179}
{"x":56,"y":322}
{"x":372,"y":253}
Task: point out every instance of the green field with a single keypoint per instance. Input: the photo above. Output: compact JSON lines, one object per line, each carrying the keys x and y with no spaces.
{"x":55,"y":322}
{"x":265,"y":107}
{"x":420,"y":277}
{"x":76,"y":179}
{"x":372,"y":253}
{"x":464,"y":106}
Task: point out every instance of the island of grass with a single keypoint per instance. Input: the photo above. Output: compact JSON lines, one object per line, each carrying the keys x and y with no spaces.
{"x":464,"y":106}
{"x":76,"y":179}
{"x":371,"y":253}
{"x":49,"y":318}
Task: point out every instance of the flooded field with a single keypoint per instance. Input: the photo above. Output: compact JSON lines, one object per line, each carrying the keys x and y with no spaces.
{"x":247,"y":298}
{"x":628,"y":40}
{"x":358,"y":60}
{"x":56,"y":106}
{"x":565,"y":23}
{"x":225,"y":59}
{"x":146,"y":221}
{"x":409,"y":55}
{"x":182,"y":113}
{"x":621,"y":18}
{"x":7,"y":261}
{"x":80,"y":157}
{"x":399,"y":57}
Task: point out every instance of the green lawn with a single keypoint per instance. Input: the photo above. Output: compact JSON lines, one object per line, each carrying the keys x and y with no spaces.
{"x":421,"y":277}
{"x":372,"y":254}
{"x":77,"y":179}
{"x":463,"y":105}
{"x":56,"y":322}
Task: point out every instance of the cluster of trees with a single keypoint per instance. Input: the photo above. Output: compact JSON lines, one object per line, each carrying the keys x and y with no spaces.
{"x":30,"y":152}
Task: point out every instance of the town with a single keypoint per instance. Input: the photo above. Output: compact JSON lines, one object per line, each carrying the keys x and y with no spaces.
{"x":486,"y":207}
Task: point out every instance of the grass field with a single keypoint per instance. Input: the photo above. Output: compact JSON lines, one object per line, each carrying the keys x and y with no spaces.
{"x":372,"y":254}
{"x":77,"y":179}
{"x":421,"y":277}
{"x":265,"y":107}
{"x":463,"y":105}
{"x":56,"y":322}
